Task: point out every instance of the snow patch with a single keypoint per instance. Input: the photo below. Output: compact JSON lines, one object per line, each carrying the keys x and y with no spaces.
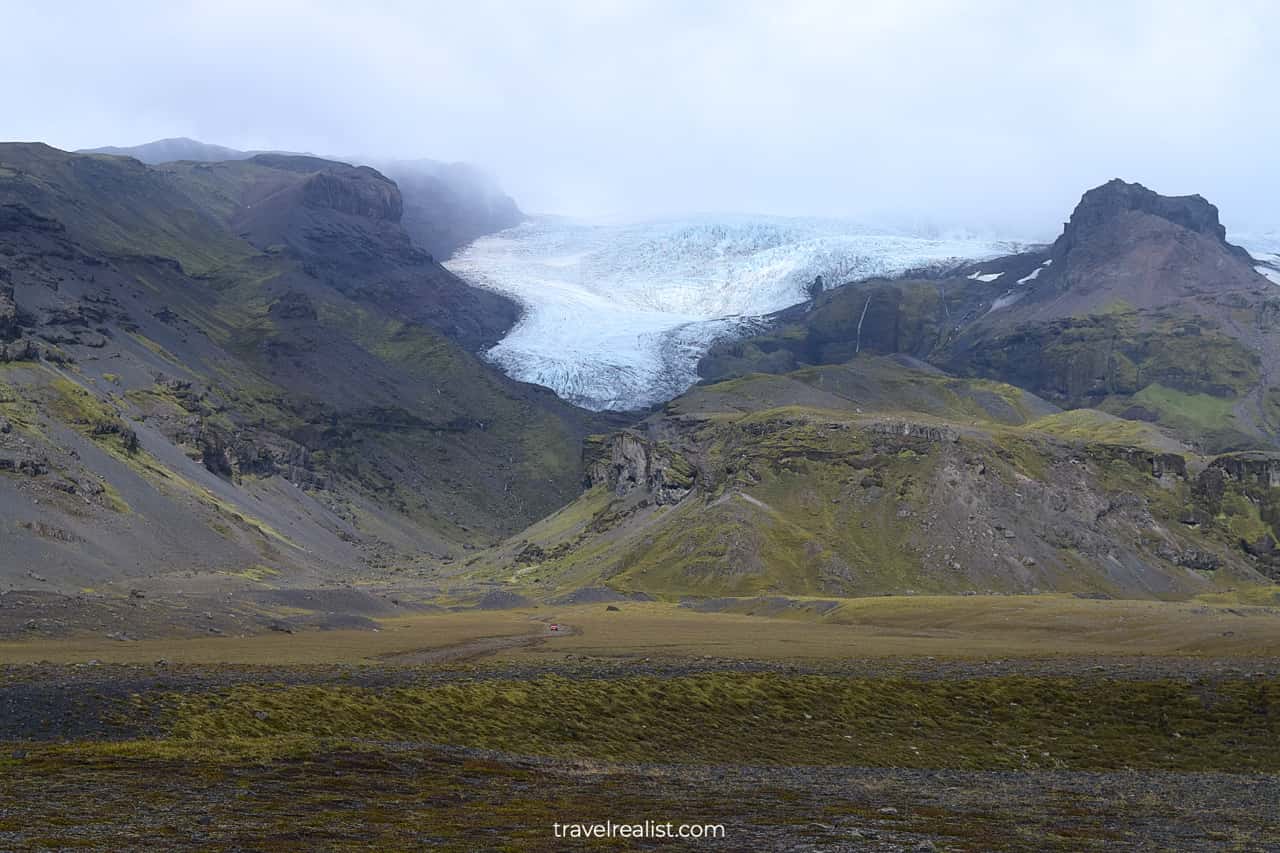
{"x":1034,"y":274}
{"x":618,"y":314}
{"x":987,"y":277}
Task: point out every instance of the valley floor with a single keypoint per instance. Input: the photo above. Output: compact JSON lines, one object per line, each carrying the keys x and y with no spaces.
{"x":429,"y":799}
{"x":964,"y":723}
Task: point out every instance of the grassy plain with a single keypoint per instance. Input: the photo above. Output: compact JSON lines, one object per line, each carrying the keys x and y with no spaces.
{"x":968,"y":723}
{"x":813,"y":629}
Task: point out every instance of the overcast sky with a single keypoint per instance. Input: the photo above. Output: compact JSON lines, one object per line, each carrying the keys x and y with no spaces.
{"x":988,"y":113}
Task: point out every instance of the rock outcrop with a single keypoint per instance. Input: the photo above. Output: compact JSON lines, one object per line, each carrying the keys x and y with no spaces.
{"x":8,"y":310}
{"x":447,"y":205}
{"x":356,"y":191}
{"x":1100,"y":205}
{"x":1256,"y":469}
{"x":627,"y":461}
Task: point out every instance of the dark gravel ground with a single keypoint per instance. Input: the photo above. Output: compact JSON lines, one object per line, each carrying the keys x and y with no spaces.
{"x":459,"y":800}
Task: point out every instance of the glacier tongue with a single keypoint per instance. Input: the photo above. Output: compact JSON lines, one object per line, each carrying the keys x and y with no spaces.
{"x":617,"y":315}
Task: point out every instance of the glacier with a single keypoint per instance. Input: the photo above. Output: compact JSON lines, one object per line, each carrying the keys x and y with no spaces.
{"x":1264,"y":246}
{"x":617,"y":314}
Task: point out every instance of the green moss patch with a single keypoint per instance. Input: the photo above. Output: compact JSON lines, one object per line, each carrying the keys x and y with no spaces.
{"x":986,"y":723}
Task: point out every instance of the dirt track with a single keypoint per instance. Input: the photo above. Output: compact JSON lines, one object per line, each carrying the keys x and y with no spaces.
{"x":474,"y":649}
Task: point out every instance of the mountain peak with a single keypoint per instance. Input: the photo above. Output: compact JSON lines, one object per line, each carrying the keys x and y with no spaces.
{"x":173,"y":149}
{"x":1102,"y":204}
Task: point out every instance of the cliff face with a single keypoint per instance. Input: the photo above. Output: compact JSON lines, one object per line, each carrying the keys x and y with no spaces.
{"x":1102,"y":204}
{"x":447,"y":205}
{"x":1260,"y":470}
{"x":359,"y":192}
{"x":444,"y":205}
{"x":1127,"y":244}
{"x":627,"y":462}
{"x":342,"y":224}
{"x":339,"y":216}
{"x":8,"y":310}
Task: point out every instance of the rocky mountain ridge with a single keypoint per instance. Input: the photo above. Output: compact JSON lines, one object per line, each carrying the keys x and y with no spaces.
{"x":445,"y":205}
{"x":248,"y":367}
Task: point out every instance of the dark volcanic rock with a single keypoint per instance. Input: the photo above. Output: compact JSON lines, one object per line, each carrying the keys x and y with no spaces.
{"x":355,"y":190}
{"x":8,"y":313}
{"x":1125,"y":244}
{"x":445,"y":205}
{"x":1102,"y":204}
{"x":15,"y":217}
{"x":359,"y":192}
{"x":501,"y":599}
{"x":598,"y":595}
{"x":1257,"y":469}
{"x":627,"y":461}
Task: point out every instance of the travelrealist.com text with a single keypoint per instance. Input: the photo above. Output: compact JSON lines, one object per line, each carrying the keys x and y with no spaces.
{"x":646,"y":829}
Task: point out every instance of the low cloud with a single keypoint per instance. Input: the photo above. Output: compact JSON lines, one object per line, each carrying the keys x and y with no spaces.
{"x":988,"y":114}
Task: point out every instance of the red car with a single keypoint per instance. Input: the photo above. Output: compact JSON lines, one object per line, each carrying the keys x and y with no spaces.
{"x":555,"y":627}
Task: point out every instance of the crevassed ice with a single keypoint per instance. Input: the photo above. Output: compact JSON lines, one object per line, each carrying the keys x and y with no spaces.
{"x":1264,"y":246}
{"x":1262,"y":243}
{"x":618,"y":314}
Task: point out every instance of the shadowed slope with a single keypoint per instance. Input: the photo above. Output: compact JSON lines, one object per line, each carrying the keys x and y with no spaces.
{"x":251,"y":360}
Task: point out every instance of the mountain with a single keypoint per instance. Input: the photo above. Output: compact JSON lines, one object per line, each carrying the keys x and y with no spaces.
{"x":247,"y":366}
{"x":445,"y":205}
{"x":1098,"y":417}
{"x":245,"y":374}
{"x":170,"y":150}
{"x":1140,"y":308}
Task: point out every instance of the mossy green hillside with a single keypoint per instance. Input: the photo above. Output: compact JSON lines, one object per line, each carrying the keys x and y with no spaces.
{"x":920,"y":482}
{"x":1090,"y":426}
{"x":120,"y":207}
{"x":1194,"y":366}
{"x":266,"y":329}
{"x":1210,"y":419}
{"x":870,"y":383}
{"x":1115,"y":353}
{"x":77,"y":407}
